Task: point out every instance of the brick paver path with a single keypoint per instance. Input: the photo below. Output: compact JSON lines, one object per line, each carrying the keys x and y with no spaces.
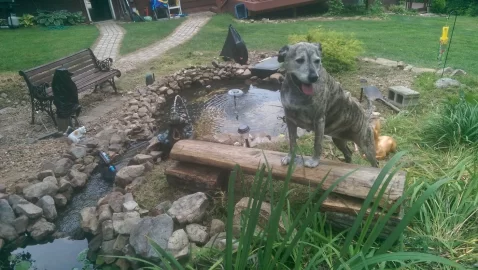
{"x":184,"y":32}
{"x":111,"y":36}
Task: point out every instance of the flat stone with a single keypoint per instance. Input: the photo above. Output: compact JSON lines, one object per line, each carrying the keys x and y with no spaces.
{"x":126,"y":175}
{"x":217,"y":226}
{"x":446,"y":83}
{"x":445,"y":71}
{"x":104,"y":213}
{"x":123,"y":223}
{"x":78,"y":152}
{"x":41,"y":229}
{"x":89,"y":221}
{"x":197,"y":233}
{"x":107,"y":230}
{"x":6,"y":212}
{"x":36,"y":191}
{"x":178,"y":244}
{"x":458,"y":72}
{"x":30,"y":210}
{"x":159,"y":229}
{"x":20,"y":224}
{"x":78,"y":179}
{"x":41,"y":175}
{"x":190,"y":208}
{"x":141,"y":159}
{"x":48,"y":205}
{"x":423,"y":70}
{"x":386,"y":62}
{"x":7,"y":232}
{"x":62,"y":167}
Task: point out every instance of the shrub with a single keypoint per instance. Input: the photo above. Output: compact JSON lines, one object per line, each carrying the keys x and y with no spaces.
{"x":438,"y":6}
{"x":3,"y":22}
{"x":339,"y":50}
{"x":336,"y":7}
{"x":376,"y":9}
{"x":61,"y":17}
{"x":27,"y":20}
{"x":455,"y":124}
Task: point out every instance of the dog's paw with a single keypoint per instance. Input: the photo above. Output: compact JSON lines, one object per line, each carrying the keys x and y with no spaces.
{"x":285,"y":160}
{"x":311,"y":163}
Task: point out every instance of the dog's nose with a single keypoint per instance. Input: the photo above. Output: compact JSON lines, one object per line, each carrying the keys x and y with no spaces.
{"x":313,"y":77}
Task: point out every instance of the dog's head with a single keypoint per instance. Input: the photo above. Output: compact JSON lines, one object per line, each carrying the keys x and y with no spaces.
{"x":304,"y":62}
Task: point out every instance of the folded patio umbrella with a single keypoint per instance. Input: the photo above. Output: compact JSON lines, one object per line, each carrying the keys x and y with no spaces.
{"x":234,"y":47}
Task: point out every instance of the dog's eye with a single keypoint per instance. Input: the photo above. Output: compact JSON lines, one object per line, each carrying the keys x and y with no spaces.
{"x":317,"y":61}
{"x":300,"y":60}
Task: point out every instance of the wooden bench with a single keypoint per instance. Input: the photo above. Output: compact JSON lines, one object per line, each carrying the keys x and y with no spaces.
{"x":88,"y":72}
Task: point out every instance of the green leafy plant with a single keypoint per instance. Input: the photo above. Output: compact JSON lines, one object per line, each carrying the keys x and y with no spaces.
{"x":438,"y":6}
{"x":336,"y":7}
{"x":3,"y":22}
{"x":376,"y":9}
{"x":340,"y":51}
{"x":58,"y":18}
{"x":306,"y":242}
{"x":456,"y":123}
{"x":27,"y":20}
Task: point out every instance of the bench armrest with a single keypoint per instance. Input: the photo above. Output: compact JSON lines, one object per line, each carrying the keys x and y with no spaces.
{"x":104,"y":65}
{"x":39,"y":91}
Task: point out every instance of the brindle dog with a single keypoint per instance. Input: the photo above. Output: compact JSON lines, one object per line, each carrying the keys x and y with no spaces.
{"x":313,"y":100}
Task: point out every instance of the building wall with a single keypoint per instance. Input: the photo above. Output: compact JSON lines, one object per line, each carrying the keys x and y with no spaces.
{"x":188,"y":6}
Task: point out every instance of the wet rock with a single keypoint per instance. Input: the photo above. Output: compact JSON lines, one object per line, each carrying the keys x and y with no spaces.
{"x":178,"y":244}
{"x":122,"y":264}
{"x":159,"y":229}
{"x":62,"y":167}
{"x":129,"y":203}
{"x":104,"y":213}
{"x":51,"y":179}
{"x":78,"y":179}
{"x":48,"y":205}
{"x":7,"y":232}
{"x":41,"y":175}
{"x":217,"y":226}
{"x":107,"y":230}
{"x":60,"y":200}
{"x":29,"y":209}
{"x":89,"y":221}
{"x":64,"y":185}
{"x":446,"y":83}
{"x":95,"y":243}
{"x":197,"y":233}
{"x":20,"y":224}
{"x":6,"y":212}
{"x":41,"y":229}
{"x":123,"y":223}
{"x":107,"y":249}
{"x":36,"y":191}
{"x":115,"y":201}
{"x":160,"y":209}
{"x":190,"y":208}
{"x":127,"y":174}
{"x":78,"y":152}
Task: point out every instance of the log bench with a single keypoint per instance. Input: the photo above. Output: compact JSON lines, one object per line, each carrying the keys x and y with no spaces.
{"x":88,"y":72}
{"x":201,"y":165}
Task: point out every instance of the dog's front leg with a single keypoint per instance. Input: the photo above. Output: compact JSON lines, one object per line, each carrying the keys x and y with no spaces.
{"x":319,"y":137}
{"x":292,"y":129}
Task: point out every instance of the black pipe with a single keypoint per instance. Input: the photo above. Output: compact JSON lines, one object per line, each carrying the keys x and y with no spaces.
{"x":451,"y":36}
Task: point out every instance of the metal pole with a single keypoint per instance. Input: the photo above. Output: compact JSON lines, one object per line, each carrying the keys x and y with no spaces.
{"x":451,"y":36}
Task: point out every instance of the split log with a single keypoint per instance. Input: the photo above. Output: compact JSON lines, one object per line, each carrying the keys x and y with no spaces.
{"x":356,"y":185}
{"x":196,"y":177}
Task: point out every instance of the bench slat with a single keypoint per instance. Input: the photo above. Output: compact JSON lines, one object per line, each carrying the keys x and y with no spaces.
{"x":58,"y":63}
{"x":98,"y":80}
{"x":47,"y":76}
{"x":91,"y":78}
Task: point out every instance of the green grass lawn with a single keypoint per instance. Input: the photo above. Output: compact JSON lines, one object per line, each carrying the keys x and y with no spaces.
{"x":26,"y":48}
{"x":140,"y":35}
{"x":412,"y":39}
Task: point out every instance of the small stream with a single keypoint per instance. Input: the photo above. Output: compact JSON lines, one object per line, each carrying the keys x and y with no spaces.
{"x":258,"y":108}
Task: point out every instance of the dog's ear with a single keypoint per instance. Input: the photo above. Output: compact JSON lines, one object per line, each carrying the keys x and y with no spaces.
{"x":319,"y":46}
{"x":282,"y":53}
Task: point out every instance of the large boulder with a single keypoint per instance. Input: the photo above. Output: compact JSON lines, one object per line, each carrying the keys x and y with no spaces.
{"x":89,"y":221}
{"x":36,"y":191}
{"x":159,"y":229}
{"x":123,"y":223}
{"x":62,"y":167}
{"x":127,"y":174}
{"x":41,"y":229}
{"x":48,"y":205}
{"x":6,"y":212}
{"x":178,"y":244}
{"x":190,"y":208}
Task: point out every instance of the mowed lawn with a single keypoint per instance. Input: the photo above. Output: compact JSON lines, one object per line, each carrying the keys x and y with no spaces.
{"x":412,"y":39}
{"x":25,"y":48}
{"x":140,"y":35}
